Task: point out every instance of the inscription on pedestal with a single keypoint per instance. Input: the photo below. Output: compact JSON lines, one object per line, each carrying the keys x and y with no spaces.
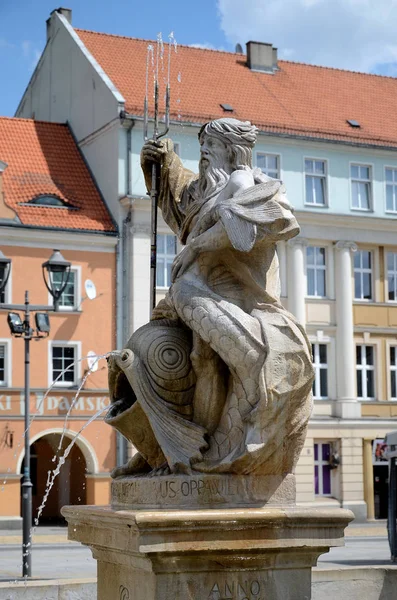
{"x":203,"y":490}
{"x":238,"y":590}
{"x":124,"y":593}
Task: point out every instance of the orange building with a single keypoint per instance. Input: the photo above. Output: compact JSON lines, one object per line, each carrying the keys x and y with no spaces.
{"x":48,"y":199}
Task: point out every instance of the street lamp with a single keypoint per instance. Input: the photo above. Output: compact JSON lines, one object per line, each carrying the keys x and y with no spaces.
{"x":56,"y":265}
{"x":21,"y":328}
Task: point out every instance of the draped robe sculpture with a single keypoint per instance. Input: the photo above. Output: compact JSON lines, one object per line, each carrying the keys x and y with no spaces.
{"x":219,"y":381}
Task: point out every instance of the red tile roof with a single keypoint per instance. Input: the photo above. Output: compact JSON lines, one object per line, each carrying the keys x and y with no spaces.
{"x":43,"y":159}
{"x":298,"y":99}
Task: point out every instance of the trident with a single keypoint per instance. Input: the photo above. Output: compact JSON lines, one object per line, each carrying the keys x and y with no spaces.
{"x":157,"y":134}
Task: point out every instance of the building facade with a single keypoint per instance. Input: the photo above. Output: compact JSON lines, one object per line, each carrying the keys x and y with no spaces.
{"x":49,"y":200}
{"x":325,"y":133}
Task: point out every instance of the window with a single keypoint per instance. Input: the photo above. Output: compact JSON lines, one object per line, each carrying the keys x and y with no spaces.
{"x":63,"y":364}
{"x":3,"y":364}
{"x":166,"y":251}
{"x":363,"y":275}
{"x":315,"y":271}
{"x":68,"y":299}
{"x":5,"y":294}
{"x":361,"y":186}
{"x":45,"y":200}
{"x":269,"y":164}
{"x":392,"y":276}
{"x":315,"y":181}
{"x":320,"y":383}
{"x":391,"y":189}
{"x":365,"y":372}
{"x":322,"y":469}
{"x":393,"y":372}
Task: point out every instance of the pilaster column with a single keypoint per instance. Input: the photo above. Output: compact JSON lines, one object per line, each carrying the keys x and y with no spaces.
{"x":368,"y":479}
{"x":345,"y":352}
{"x":139,"y":277}
{"x":297,"y":278}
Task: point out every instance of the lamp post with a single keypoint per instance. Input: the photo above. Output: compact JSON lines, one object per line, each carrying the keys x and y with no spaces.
{"x":22,"y":328}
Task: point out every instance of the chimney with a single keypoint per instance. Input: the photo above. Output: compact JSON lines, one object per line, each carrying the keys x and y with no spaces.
{"x":261,"y":57}
{"x":65,"y":12}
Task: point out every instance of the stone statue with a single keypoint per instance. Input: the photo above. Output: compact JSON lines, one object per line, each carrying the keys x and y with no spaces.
{"x":219,"y":381}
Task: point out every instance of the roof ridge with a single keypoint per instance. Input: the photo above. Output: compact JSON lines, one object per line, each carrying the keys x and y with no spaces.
{"x":293,"y":62}
{"x":193,"y":47}
{"x":25,"y":120}
{"x":126,"y":37}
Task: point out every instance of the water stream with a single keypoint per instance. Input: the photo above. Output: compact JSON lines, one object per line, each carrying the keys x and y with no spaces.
{"x":98,"y":357}
{"x":52,"y":476}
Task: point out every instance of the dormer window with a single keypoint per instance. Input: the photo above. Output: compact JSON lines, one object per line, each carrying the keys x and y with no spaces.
{"x":48,"y":200}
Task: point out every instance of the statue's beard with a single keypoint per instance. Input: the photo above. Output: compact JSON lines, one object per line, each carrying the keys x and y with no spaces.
{"x":212,"y":179}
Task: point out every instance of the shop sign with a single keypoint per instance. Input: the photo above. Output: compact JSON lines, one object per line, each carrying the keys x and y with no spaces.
{"x":13,"y":404}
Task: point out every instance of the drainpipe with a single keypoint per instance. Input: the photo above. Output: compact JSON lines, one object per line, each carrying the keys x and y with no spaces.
{"x":123,"y":271}
{"x":120,"y":441}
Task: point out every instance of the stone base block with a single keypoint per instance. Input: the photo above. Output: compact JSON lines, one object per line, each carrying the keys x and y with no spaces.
{"x":226,"y":554}
{"x":203,"y":491}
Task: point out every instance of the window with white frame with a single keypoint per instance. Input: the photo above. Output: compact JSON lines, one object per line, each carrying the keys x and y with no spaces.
{"x":166,"y":251}
{"x":3,"y":364}
{"x":361,"y":186}
{"x":363,"y":275}
{"x":64,"y":367}
{"x":322,"y":469}
{"x":4,"y":294}
{"x":316,"y":271}
{"x":393,"y":372}
{"x":269,"y":164}
{"x":320,"y":365}
{"x":391,"y":189}
{"x":392,"y":276}
{"x":315,"y":182}
{"x":365,"y":370}
{"x":68,"y":299}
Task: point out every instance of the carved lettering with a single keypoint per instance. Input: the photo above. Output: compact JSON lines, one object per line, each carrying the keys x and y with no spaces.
{"x":238,"y":590}
{"x":185,"y":488}
{"x":124,"y":593}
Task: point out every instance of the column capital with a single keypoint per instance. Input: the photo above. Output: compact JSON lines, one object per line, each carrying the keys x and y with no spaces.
{"x":298,"y":241}
{"x":346,"y":245}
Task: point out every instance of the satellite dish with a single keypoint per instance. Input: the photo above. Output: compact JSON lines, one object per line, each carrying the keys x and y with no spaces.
{"x":92,"y":361}
{"x":90,"y":289}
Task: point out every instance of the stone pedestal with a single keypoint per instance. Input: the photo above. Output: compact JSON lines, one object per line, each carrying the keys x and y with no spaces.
{"x":204,"y":553}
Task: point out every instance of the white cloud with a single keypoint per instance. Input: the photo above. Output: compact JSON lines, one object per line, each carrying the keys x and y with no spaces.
{"x":204,"y":46}
{"x":26,"y":48}
{"x":349,"y":34}
{"x":5,"y":44}
{"x":31,"y":53}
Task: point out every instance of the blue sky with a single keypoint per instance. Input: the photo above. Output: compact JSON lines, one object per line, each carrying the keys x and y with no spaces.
{"x":348,"y":34}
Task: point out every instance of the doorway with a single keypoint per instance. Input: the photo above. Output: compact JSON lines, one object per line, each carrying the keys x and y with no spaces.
{"x":69,"y":486}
